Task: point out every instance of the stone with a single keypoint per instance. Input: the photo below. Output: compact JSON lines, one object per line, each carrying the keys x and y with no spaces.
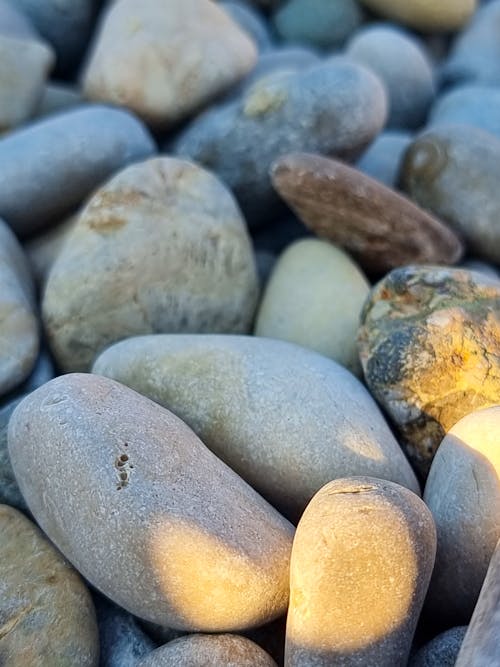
{"x":42,"y":250}
{"x":403,"y":65}
{"x":333,"y":108}
{"x":183,"y":54}
{"x":9,"y":490}
{"x":463,"y":494}
{"x":378,"y":226}
{"x":314,"y":298}
{"x":250,"y":21}
{"x":209,"y":651}
{"x":382,"y":159}
{"x":286,"y":419}
{"x":42,"y":372}
{"x":468,"y":104}
{"x":482,"y":267}
{"x":319,"y":23}
{"x":145,"y":511}
{"x":423,"y":15}
{"x":46,"y":612}
{"x":19,"y":340}
{"x":442,"y":651}
{"x":15,"y":23}
{"x":51,"y":166}
{"x":161,"y":247}
{"x":58,"y":97}
{"x":453,"y":171}
{"x":361,"y":562}
{"x":429,"y":344}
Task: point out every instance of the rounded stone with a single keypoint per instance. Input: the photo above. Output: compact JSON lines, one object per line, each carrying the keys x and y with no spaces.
{"x":442,"y":651}
{"x":378,"y":226}
{"x":145,"y":511}
{"x":468,"y":104}
{"x":250,"y":21}
{"x":361,"y":562}
{"x":463,"y":494}
{"x":209,"y":651}
{"x":314,"y":298}
{"x":429,"y":344}
{"x":182,"y":54}
{"x":423,"y":15}
{"x":286,"y":419}
{"x":49,"y":167}
{"x":383,"y":158}
{"x":404,"y":67}
{"x":46,"y":612}
{"x":453,"y":171}
{"x":162,"y":247}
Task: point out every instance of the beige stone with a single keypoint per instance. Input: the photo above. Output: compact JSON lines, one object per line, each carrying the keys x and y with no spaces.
{"x":361,"y":562}
{"x":162,"y":247}
{"x":314,"y":298}
{"x":46,"y":613}
{"x":145,"y":511}
{"x":426,"y":15}
{"x":164,"y":60}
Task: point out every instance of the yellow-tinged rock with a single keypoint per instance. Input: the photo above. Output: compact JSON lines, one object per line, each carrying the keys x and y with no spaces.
{"x":425,"y":15}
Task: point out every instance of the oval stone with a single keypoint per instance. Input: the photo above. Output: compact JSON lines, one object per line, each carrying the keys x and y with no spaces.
{"x":362,"y":558}
{"x":145,"y":511}
{"x":46,"y":612}
{"x":424,"y":15}
{"x":286,"y":419}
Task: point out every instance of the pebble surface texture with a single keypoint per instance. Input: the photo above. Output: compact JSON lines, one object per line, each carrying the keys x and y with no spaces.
{"x":425,"y":15}
{"x":140,"y":59}
{"x":162,"y":247}
{"x":251,"y":399}
{"x":361,"y":562}
{"x":442,"y":651}
{"x":19,"y":326}
{"x":209,"y":651}
{"x":46,"y":612}
{"x":49,"y":167}
{"x":134,"y":491}
{"x":334,"y":108}
{"x":379,"y":227}
{"x":429,"y":344}
{"x":463,"y":494}
{"x":454,"y":171}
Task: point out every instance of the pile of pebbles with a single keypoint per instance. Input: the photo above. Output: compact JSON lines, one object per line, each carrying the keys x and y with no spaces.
{"x":249,"y":333}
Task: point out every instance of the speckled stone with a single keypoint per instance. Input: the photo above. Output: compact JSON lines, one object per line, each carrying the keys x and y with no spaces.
{"x":162,"y":247}
{"x":379,"y":227}
{"x":209,"y":651}
{"x":454,"y":172}
{"x":361,"y":562}
{"x":429,"y":343}
{"x":183,"y":54}
{"x":423,"y":15}
{"x":382,"y":159}
{"x":145,"y":511}
{"x":442,"y":651}
{"x":46,"y":613}
{"x":333,"y":108}
{"x":469,"y":104}
{"x":285,"y":418}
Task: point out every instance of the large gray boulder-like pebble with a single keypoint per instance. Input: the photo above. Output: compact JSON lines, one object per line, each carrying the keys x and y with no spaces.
{"x":161,"y":248}
{"x":145,"y":511}
{"x":382,"y":159}
{"x":284,"y":418}
{"x":49,"y":167}
{"x":46,"y":612}
{"x":335,"y":108}
{"x":442,"y":651}
{"x":469,"y":104}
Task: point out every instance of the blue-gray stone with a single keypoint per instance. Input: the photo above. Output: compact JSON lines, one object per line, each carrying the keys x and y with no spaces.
{"x":470,"y":104}
{"x":49,"y":167}
{"x":9,"y":490}
{"x":14,"y":23}
{"x":250,"y":20}
{"x":42,"y":372}
{"x":382,"y":159}
{"x":442,"y":651}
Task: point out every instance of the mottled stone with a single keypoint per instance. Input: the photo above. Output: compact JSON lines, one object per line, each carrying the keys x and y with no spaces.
{"x":469,"y":104}
{"x":183,"y":53}
{"x":379,"y":227}
{"x":145,"y":511}
{"x":251,"y":21}
{"x":285,"y":418}
{"x":49,"y":167}
{"x":424,"y":15}
{"x":382,"y":159}
{"x":209,"y":651}
{"x":362,"y":558}
{"x":442,"y":651}
{"x":430,"y":348}
{"x":46,"y":613}
{"x":403,"y":65}
{"x":314,"y":298}
{"x":333,"y":108}
{"x":43,"y":250}
{"x":454,"y":171}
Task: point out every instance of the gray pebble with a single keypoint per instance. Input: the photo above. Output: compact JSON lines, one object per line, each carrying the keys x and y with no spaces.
{"x":58,"y":97}
{"x":470,"y":104}
{"x":382,"y":159}
{"x":442,"y":651}
{"x":251,"y":22}
{"x":15,"y":23}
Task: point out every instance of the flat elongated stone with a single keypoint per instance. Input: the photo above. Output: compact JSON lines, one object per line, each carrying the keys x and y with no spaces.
{"x":379,"y":227}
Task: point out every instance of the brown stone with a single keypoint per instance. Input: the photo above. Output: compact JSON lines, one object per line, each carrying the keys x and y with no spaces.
{"x":379,"y":227}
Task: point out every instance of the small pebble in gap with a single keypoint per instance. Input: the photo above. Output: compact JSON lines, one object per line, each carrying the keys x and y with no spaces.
{"x":429,"y":344}
{"x":378,"y":226}
{"x":445,"y":15}
{"x":442,"y":651}
{"x":42,"y":250}
{"x":58,"y":97}
{"x":361,"y":562}
{"x":250,"y":21}
{"x":46,"y":612}
{"x":9,"y":490}
{"x":314,"y":298}
{"x":454,"y":171}
{"x":469,"y":104}
{"x":209,"y":651}
{"x":133,"y":490}
{"x":382,"y":159}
